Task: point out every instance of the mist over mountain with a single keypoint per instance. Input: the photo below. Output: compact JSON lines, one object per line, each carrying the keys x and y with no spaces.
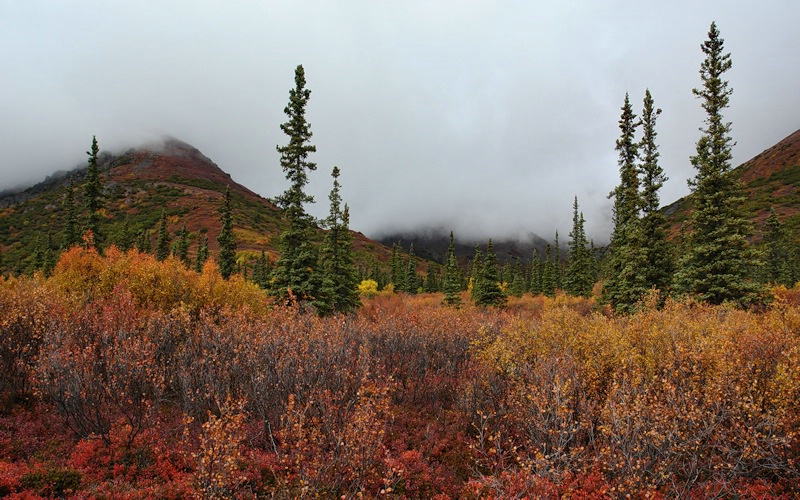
{"x":481,"y":117}
{"x":432,"y":244}
{"x":171,"y":174}
{"x":139,"y":183}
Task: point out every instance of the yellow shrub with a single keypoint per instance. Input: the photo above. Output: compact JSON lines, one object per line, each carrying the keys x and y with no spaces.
{"x":368,"y":288}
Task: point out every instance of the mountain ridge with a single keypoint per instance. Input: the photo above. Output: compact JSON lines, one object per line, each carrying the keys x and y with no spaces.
{"x":137,"y":185}
{"x":175,"y":176}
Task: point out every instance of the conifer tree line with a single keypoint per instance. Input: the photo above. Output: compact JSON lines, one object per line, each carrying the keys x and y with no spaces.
{"x":713,"y":260}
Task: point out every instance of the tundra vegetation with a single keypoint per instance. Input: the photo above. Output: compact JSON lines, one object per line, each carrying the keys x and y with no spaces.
{"x":124,"y":376}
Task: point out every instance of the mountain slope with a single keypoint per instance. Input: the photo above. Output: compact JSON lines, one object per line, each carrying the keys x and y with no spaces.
{"x":771,"y":179}
{"x":137,"y":186}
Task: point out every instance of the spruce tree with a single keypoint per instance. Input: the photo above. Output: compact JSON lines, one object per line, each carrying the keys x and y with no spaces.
{"x":776,"y":249}
{"x":626,"y":194}
{"x":92,"y":191}
{"x":476,"y":273}
{"x":162,"y":243}
{"x":487,"y":291}
{"x":507,"y":274}
{"x":657,"y":253}
{"x":294,"y":269}
{"x":257,"y":270}
{"x":579,"y":280}
{"x":377,"y":275}
{"x":431,"y":280}
{"x":548,"y":273}
{"x":411,"y":272}
{"x":625,"y":283}
{"x":71,"y":236}
{"x":338,"y":291}
{"x":452,"y":277}
{"x":717,"y":264}
{"x":397,"y":268}
{"x":182,"y":246}
{"x":124,"y":238}
{"x":143,"y":241}
{"x":262,"y":270}
{"x":559,"y":275}
{"x":517,"y":286}
{"x":226,"y":238}
{"x":537,"y":266}
{"x":201,"y":256}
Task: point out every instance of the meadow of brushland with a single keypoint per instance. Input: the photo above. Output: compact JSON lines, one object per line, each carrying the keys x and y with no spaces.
{"x":124,"y":377}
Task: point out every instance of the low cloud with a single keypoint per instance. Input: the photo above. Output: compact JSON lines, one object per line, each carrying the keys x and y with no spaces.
{"x":486,"y":119}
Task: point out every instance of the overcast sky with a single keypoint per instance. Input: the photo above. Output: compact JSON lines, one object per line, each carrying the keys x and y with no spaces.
{"x":486,"y":117}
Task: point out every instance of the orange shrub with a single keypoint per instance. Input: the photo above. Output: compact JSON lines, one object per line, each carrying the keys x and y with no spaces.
{"x":98,"y":367}
{"x":27,"y":309}
{"x":82,"y":275}
{"x":550,"y":397}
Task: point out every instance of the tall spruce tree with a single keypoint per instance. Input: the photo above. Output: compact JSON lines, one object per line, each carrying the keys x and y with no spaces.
{"x":559,"y":275}
{"x":92,"y":192}
{"x":162,"y":243}
{"x":476,"y":273}
{"x":338,"y":291}
{"x":579,"y":279}
{"x":226,"y":239}
{"x":487,"y":291}
{"x":548,"y":273}
{"x":626,"y":194}
{"x":625,"y":283}
{"x":717,"y":264}
{"x":652,"y":235}
{"x":452,"y":277}
{"x":397,"y":269}
{"x":535,"y":285}
{"x":411,"y":272}
{"x":294,"y":270}
{"x":71,"y":225}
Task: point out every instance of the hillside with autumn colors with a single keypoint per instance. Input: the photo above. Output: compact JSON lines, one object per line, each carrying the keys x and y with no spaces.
{"x":137,"y":186}
{"x":771,"y":180}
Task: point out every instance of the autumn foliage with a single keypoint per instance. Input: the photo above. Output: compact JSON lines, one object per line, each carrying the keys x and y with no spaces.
{"x":124,"y":377}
